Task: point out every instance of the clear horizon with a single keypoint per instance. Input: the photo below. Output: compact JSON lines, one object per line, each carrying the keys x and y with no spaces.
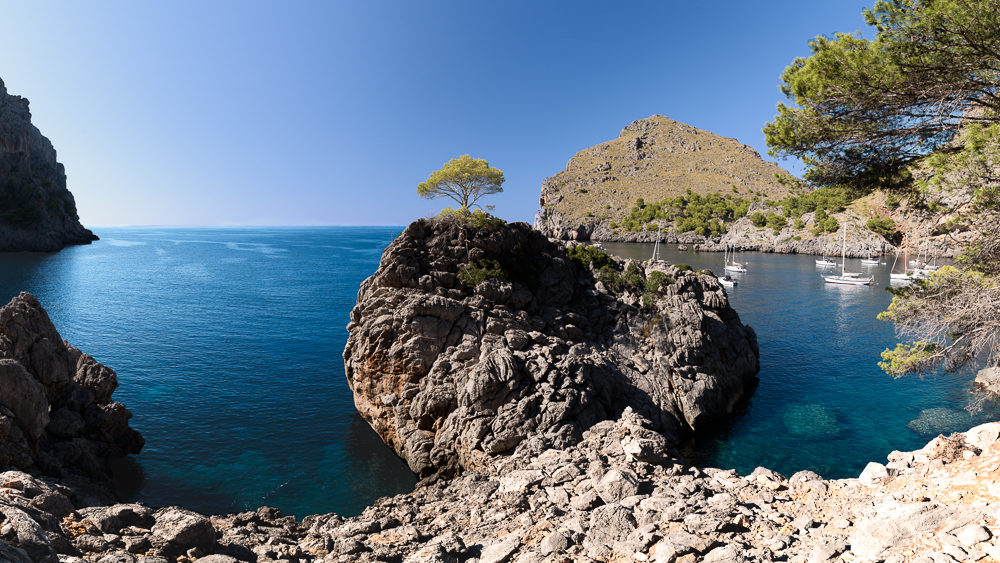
{"x":330,"y":114}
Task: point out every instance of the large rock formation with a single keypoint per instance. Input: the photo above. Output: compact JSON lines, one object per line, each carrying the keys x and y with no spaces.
{"x":37,"y":212}
{"x":57,"y":417}
{"x":533,"y":352}
{"x":652,"y":158}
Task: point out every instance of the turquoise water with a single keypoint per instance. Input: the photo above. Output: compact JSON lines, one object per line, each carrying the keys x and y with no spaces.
{"x":822,"y":403}
{"x":228,"y":343}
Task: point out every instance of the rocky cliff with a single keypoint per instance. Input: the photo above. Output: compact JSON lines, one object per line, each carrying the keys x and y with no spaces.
{"x":452,"y":372}
{"x":37,"y":212}
{"x":652,"y":158}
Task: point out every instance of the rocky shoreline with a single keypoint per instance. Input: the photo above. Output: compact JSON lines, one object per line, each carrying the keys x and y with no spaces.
{"x":598,"y":480}
{"x":603,"y":499}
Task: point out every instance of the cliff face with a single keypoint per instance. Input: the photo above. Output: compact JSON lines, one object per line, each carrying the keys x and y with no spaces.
{"x":37,"y":212}
{"x":451,"y":374}
{"x":652,"y":158}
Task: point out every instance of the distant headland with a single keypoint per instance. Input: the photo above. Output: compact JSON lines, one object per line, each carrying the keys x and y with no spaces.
{"x":37,"y":212}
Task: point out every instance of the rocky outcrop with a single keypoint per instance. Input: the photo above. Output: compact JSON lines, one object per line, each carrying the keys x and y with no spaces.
{"x":652,"y":158}
{"x":451,"y":373}
{"x":37,"y":212}
{"x":57,"y":417}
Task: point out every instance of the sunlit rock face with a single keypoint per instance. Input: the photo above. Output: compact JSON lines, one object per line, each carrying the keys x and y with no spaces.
{"x":452,"y":370}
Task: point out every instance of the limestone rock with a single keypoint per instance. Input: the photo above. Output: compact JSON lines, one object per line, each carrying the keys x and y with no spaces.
{"x":450,"y":370}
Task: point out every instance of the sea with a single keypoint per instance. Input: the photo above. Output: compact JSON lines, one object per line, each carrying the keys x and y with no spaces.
{"x":228,"y":347}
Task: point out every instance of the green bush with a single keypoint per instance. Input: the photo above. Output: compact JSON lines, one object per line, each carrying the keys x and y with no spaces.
{"x":633,"y":277}
{"x":475,"y":273}
{"x":582,"y":190}
{"x":885,"y":227}
{"x":799,"y":224}
{"x":684,"y":267}
{"x":758,"y":219}
{"x":775,"y":221}
{"x":585,"y":255}
{"x":647,"y":301}
{"x":657,"y":281}
{"x":892,"y":200}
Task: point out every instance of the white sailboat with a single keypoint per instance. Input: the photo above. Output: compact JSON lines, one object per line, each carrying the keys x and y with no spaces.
{"x":728,"y":281}
{"x":906,"y":275}
{"x":826,"y":261}
{"x":869,"y":261}
{"x":656,"y":247}
{"x":734,"y":266}
{"x":845,"y":277}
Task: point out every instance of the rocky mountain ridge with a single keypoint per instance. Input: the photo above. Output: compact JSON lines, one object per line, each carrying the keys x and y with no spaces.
{"x":652,"y":158}
{"x":37,"y":212}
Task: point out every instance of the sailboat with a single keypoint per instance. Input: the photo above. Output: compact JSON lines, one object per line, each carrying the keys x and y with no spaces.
{"x":845,"y":277}
{"x":656,"y":247}
{"x":869,"y":261}
{"x":734,"y":266}
{"x":906,"y":275}
{"x":826,"y":261}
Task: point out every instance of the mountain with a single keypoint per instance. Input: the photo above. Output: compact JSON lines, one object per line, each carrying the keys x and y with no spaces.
{"x":37,"y":212}
{"x":653,"y":159}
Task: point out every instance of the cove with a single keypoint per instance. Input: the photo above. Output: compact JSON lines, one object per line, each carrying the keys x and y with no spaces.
{"x":822,"y":403}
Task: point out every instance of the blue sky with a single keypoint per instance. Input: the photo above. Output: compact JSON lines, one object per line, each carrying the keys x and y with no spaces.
{"x":331,"y":113}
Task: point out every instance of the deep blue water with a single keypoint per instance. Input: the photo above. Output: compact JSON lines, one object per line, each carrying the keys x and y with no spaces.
{"x":822,"y":403}
{"x":228,"y":345}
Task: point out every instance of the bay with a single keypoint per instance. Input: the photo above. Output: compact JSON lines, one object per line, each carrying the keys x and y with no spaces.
{"x":228,"y":346}
{"x":822,"y":403}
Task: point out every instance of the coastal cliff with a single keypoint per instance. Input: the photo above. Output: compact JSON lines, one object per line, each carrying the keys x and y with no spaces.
{"x":452,"y":371}
{"x":37,"y":212}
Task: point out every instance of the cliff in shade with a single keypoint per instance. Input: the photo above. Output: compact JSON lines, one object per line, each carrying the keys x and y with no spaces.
{"x":37,"y":212}
{"x":452,"y":374}
{"x":652,"y":158}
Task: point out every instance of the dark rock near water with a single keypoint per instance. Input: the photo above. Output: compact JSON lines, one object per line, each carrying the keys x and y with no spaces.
{"x":56,"y":411}
{"x":450,"y":374}
{"x":37,"y":212}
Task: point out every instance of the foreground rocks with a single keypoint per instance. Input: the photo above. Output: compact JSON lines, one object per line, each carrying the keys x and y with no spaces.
{"x":453,"y":373}
{"x":38,"y":212}
{"x":57,"y":417}
{"x":592,"y":501}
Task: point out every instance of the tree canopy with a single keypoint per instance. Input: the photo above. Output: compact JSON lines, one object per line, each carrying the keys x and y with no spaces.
{"x":917,"y":107}
{"x":464,"y":179}
{"x":864,"y":110}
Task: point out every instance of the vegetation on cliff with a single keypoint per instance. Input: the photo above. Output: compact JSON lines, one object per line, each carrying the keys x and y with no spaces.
{"x":658,"y":159}
{"x":915,"y":111}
